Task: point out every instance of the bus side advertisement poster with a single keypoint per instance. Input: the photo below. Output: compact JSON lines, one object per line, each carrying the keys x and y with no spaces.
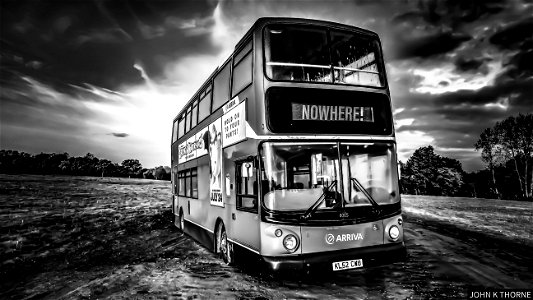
{"x":214,"y":142}
{"x":233,"y":125}
{"x":225,"y":131}
{"x":192,"y":148}
{"x":232,"y":130}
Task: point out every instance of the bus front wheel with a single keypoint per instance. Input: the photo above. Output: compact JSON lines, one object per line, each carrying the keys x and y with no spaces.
{"x":224,"y":248}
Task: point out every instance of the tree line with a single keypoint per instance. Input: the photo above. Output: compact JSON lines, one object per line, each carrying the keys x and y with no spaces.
{"x":507,"y":150}
{"x":15,"y":162}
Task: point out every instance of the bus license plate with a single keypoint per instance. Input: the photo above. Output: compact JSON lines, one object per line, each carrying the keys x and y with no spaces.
{"x":347,"y":264}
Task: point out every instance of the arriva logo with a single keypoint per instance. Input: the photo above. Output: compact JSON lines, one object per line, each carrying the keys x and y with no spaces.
{"x":345,"y":237}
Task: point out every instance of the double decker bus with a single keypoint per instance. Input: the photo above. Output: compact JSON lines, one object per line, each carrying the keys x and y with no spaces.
{"x":287,"y":151}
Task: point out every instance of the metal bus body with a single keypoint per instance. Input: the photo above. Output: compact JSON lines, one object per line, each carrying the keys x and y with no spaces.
{"x":292,"y":156}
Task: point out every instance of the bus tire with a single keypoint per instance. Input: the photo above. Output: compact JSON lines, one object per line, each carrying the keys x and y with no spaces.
{"x":223,"y":247}
{"x":181,"y":221}
{"x":177,"y":220}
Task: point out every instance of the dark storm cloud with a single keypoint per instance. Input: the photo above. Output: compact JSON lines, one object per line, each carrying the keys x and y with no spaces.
{"x":516,"y":91}
{"x":464,"y":64}
{"x":67,"y":43}
{"x":426,"y":117}
{"x":514,"y":34}
{"x":517,"y":37}
{"x":71,"y":66}
{"x":450,"y":13}
{"x":36,"y":118}
{"x":436,"y":27}
{"x":106,"y":36}
{"x":27,"y":96}
{"x":426,"y":46}
{"x":455,"y":119}
{"x":458,"y":121}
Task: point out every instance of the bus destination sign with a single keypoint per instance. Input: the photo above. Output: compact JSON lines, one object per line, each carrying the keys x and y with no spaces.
{"x":332,"y":113}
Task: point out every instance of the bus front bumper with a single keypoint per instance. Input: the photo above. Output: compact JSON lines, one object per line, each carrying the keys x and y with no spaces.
{"x":371,"y":256}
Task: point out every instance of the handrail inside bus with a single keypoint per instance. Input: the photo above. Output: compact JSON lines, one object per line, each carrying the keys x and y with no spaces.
{"x":355,"y":70}
{"x":286,"y":64}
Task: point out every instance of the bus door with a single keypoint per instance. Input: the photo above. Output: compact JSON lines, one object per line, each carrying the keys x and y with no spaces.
{"x":245,"y":218}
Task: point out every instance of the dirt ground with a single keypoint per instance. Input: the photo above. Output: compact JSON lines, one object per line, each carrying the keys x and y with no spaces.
{"x":109,"y":238}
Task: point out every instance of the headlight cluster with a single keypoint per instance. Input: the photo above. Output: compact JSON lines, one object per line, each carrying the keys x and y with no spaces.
{"x":394,"y":232}
{"x":287,"y":238}
{"x":290,"y":242}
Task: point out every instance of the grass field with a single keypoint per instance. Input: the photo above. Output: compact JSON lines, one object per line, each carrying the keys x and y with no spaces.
{"x":84,"y":237}
{"x":503,"y":219}
{"x":59,"y":222}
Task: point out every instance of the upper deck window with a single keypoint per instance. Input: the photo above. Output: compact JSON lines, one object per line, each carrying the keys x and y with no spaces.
{"x":181,"y":126}
{"x":188,"y":120}
{"x":175,"y":131}
{"x":221,"y":87}
{"x":194,"y":114}
{"x":242,"y":69}
{"x":316,"y":54}
{"x":205,"y":104}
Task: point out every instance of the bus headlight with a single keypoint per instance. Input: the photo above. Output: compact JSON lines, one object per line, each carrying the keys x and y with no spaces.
{"x":290,"y":242}
{"x":394,"y":232}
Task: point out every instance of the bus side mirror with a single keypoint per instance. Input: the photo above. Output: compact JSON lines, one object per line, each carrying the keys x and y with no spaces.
{"x":228,"y":185}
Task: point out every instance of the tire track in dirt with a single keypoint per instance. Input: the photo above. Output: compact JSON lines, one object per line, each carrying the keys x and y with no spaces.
{"x":184,"y":271}
{"x":458,"y":259}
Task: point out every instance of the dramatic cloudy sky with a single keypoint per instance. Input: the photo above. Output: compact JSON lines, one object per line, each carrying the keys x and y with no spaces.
{"x":108,"y":77}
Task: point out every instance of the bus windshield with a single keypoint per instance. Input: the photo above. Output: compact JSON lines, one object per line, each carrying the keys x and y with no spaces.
{"x":296,"y":175}
{"x":314,"y":54}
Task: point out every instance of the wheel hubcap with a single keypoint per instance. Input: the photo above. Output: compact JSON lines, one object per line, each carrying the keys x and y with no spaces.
{"x":223,"y":244}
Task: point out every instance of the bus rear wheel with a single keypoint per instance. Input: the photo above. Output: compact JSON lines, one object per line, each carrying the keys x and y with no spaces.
{"x":176,"y":220}
{"x":181,"y":221}
{"x":223,"y":247}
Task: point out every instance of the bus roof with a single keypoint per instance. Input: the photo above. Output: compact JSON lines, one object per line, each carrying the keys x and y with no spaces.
{"x":260,"y":22}
{"x":267,"y":20}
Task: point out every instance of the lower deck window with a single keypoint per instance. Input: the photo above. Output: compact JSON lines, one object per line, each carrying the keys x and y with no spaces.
{"x":188,"y":183}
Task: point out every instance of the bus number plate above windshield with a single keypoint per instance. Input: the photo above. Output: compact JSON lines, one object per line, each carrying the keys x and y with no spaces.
{"x":347,"y":264}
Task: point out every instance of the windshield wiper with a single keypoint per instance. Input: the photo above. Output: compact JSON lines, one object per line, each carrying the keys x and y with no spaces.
{"x":365,"y":192}
{"x":319,"y":201}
